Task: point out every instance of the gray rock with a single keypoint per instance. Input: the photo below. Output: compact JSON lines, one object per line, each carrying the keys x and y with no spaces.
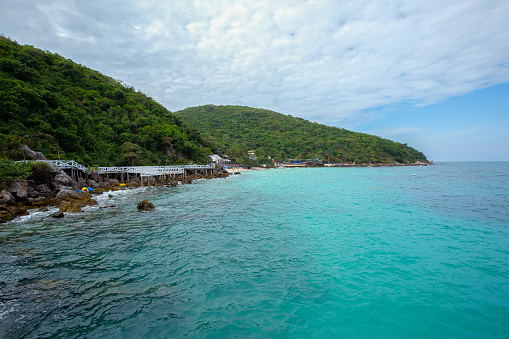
{"x":33,"y":155}
{"x":113,"y":182}
{"x":92,"y":183}
{"x":19,"y":189}
{"x":31,"y":192}
{"x":42,"y":189}
{"x":6,"y":198}
{"x":67,"y":193}
{"x":58,"y":214}
{"x":62,"y":179}
{"x":55,"y":170}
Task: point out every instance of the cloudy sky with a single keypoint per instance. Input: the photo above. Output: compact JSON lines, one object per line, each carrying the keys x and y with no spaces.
{"x":433,"y":74}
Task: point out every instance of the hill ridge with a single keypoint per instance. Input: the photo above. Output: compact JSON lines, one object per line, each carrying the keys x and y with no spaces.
{"x":239,"y":129}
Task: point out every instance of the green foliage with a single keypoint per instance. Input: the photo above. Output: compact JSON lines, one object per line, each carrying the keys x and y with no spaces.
{"x":11,"y":171}
{"x":53,"y":104}
{"x":40,"y":172}
{"x":238,"y":129}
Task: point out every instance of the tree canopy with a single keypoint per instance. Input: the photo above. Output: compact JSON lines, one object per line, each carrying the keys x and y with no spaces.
{"x":65,"y":109}
{"x":239,"y":129}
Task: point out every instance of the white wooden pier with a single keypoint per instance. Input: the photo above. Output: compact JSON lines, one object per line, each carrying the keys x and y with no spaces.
{"x":148,"y":172}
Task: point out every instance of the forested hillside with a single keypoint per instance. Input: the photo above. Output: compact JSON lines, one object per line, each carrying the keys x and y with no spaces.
{"x":59,"y":107}
{"x":238,"y":129}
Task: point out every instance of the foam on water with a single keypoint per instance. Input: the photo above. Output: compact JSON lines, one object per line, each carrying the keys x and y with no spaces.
{"x":280,"y":253}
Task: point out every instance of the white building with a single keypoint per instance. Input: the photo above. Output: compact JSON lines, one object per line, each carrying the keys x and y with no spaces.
{"x":217,"y":160}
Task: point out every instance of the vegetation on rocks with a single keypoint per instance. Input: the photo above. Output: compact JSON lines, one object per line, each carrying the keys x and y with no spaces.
{"x":11,"y":171}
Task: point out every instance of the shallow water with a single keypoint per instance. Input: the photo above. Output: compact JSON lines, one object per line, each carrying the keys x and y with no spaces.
{"x":318,"y":252}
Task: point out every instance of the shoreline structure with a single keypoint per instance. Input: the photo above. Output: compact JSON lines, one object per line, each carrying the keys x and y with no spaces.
{"x":66,"y":185}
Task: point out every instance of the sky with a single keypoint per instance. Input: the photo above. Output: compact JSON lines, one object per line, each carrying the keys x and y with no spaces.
{"x":433,"y":74}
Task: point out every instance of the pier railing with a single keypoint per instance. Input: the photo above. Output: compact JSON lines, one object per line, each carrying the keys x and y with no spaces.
{"x":63,"y":164}
{"x":150,"y":170}
{"x":141,"y":170}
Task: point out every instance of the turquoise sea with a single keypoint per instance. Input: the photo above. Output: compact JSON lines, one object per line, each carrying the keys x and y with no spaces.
{"x":285,"y":253}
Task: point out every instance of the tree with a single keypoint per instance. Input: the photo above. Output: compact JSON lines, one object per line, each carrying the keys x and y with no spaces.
{"x":131,"y":153}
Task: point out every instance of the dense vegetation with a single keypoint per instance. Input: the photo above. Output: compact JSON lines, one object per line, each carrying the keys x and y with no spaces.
{"x":64,"y":109}
{"x":238,"y":129}
{"x":11,"y":171}
{"x":70,"y":111}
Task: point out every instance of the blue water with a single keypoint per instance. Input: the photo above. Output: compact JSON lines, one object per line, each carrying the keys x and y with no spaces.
{"x":318,"y":252}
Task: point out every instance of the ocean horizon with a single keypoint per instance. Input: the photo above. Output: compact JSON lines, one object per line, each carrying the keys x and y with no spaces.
{"x":343,"y":252}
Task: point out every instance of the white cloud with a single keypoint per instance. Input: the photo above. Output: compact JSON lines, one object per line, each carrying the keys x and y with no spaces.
{"x":321,"y":60}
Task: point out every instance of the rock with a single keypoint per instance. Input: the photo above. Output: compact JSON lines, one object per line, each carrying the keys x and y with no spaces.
{"x":58,"y":214}
{"x":62,"y":179}
{"x":33,"y":155}
{"x":31,"y":192}
{"x":9,"y":212}
{"x":41,"y":201}
{"x":55,"y":170}
{"x":73,"y":201}
{"x":72,"y":207}
{"x":145,"y":205}
{"x":5,"y":216}
{"x":113,"y":182}
{"x":6,"y":198}
{"x":92,"y":183}
{"x":67,"y":193}
{"x":19,"y":189}
{"x":42,"y":189}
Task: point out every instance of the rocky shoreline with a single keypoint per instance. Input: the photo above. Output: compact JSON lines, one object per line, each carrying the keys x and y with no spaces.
{"x":53,"y":187}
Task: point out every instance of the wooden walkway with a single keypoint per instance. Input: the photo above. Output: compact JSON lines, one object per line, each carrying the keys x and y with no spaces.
{"x":147,"y":172}
{"x":141,"y":170}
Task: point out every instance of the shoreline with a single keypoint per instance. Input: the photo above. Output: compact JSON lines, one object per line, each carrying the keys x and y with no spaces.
{"x":23,"y":197}
{"x":233,"y":170}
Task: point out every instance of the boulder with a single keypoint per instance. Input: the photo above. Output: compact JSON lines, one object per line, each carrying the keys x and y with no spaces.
{"x":9,"y":212}
{"x":72,"y":207}
{"x":5,"y":216}
{"x":58,"y":214}
{"x":19,"y":189}
{"x":92,"y":183}
{"x":66,"y":194}
{"x":73,"y":201}
{"x":33,"y":155}
{"x":113,"y":182}
{"x":61,"y":179}
{"x":42,"y":189}
{"x":6,"y":198}
{"x":145,"y":205}
{"x":31,"y":192}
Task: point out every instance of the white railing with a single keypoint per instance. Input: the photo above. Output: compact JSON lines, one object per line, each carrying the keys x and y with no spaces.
{"x":68,"y":164}
{"x":150,"y":170}
{"x":62,"y":164}
{"x":142,"y":170}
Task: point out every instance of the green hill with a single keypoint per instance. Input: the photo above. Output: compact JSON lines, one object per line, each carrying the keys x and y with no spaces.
{"x":59,"y":107}
{"x":238,"y":129}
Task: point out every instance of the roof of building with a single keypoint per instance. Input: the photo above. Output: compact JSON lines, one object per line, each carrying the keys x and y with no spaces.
{"x":215,"y":157}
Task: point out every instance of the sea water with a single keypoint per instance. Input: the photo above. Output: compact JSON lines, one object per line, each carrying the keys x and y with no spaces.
{"x":386,"y":252}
